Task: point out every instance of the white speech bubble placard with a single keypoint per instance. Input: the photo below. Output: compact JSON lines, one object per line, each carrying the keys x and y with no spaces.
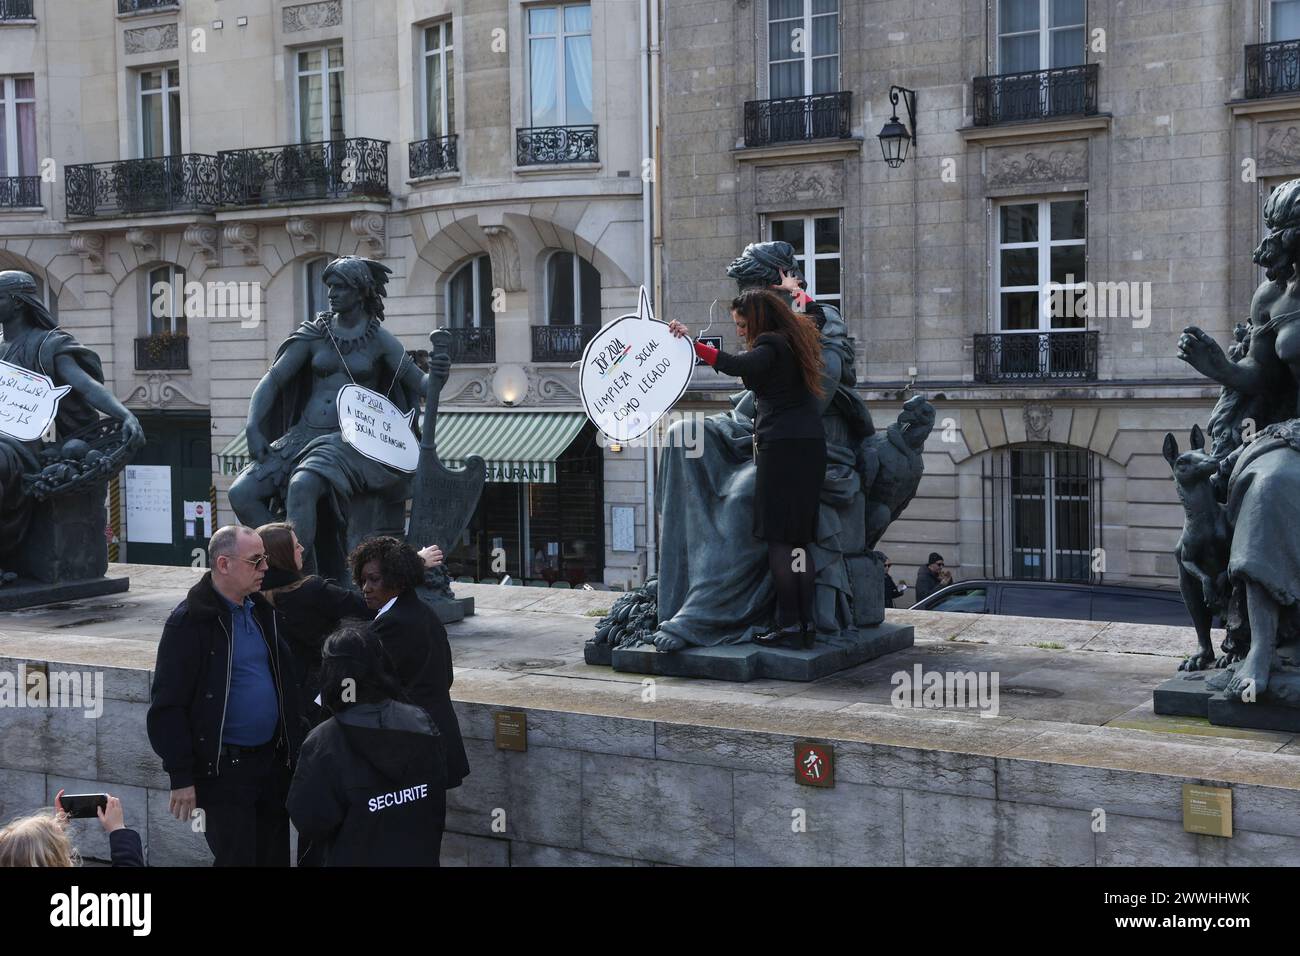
{"x":377,"y":428}
{"x":28,"y":402}
{"x":633,"y":371}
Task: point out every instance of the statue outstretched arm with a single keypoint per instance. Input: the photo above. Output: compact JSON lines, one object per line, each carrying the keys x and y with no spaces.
{"x":281,"y":372}
{"x":1199,"y":350}
{"x":411,"y":377}
{"x":99,"y":398}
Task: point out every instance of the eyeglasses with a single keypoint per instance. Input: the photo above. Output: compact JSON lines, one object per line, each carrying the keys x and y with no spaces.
{"x":257,"y":560}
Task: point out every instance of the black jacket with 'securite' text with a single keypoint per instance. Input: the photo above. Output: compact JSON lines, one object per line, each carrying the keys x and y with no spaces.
{"x":370,"y":787}
{"x":191,"y":683}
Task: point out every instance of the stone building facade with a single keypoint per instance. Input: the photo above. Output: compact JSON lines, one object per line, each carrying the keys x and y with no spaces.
{"x":488,"y":152}
{"x":1128,"y":145}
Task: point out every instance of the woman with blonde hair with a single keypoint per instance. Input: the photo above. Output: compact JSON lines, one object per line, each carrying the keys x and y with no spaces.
{"x":42,"y":838}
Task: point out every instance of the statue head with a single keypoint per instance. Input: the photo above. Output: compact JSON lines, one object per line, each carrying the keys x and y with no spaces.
{"x":19,"y":294}
{"x":364,"y":277}
{"x":1277,"y":253}
{"x":762,"y":263}
{"x":916,"y":421}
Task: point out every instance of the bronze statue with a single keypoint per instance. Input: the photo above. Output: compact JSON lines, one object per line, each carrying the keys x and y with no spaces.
{"x":302,"y":468}
{"x":85,"y":451}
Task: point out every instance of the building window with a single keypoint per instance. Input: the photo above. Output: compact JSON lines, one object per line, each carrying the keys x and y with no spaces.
{"x":1284,"y":20}
{"x":1042,"y":251}
{"x":320,"y":94}
{"x":803,"y":47}
{"x":1040,"y":34}
{"x":1043,"y":503}
{"x":821,"y":268}
{"x":469,"y":295}
{"x":166,"y":312}
{"x":316,"y":295}
{"x":439,"y":73}
{"x":559,"y":65}
{"x":18,"y":126}
{"x":572,"y":290}
{"x":160,"y":112}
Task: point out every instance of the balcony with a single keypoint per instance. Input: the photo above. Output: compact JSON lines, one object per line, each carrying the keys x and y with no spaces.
{"x":1272,"y":69}
{"x":162,"y":351}
{"x":1037,"y":95}
{"x":793,"y":119}
{"x":550,"y":145}
{"x":469,"y":346}
{"x":429,"y":157}
{"x":337,"y":169}
{"x":141,"y":6}
{"x":17,"y":10}
{"x":19,"y":191}
{"x":561,"y":343}
{"x":187,"y":182}
{"x":1017,"y":357}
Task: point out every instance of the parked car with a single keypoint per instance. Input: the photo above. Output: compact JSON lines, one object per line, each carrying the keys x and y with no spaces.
{"x":1131,"y":604}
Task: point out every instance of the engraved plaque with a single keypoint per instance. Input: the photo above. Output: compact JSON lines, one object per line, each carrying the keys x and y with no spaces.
{"x":511,"y":730}
{"x":1207,"y":810}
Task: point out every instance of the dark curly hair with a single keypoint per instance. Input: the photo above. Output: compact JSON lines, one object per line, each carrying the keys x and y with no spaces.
{"x":399,"y":563}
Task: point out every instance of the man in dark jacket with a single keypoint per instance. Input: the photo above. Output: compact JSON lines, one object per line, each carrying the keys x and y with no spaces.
{"x":225,"y":709}
{"x":370,"y":788}
{"x":931,"y":577}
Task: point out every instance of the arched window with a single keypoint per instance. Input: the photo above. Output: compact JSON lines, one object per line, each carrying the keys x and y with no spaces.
{"x":469,"y":296}
{"x":315,"y":295}
{"x":165,"y":304}
{"x":572,"y":290}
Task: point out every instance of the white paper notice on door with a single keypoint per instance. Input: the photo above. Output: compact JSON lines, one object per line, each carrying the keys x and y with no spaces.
{"x":149,"y":504}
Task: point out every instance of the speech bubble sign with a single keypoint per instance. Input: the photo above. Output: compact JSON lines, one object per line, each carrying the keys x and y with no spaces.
{"x":377,"y":428}
{"x":633,"y":371}
{"x":28,"y":402}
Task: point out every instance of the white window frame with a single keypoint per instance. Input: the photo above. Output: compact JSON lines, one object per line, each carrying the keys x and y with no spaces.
{"x":1049,"y":497}
{"x":475,"y":266}
{"x":1044,"y":31}
{"x":1044,"y":244}
{"x":324,"y":73}
{"x":176,"y":306}
{"x":11,"y":101}
{"x":164,"y":91}
{"x":765,"y":80}
{"x":306,"y":283}
{"x":561,"y":93}
{"x":1269,"y":22}
{"x":810,"y":258}
{"x":577,"y":285}
{"x":446,"y":51}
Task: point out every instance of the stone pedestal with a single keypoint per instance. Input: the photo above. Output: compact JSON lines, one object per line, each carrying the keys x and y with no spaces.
{"x":1199,"y":694}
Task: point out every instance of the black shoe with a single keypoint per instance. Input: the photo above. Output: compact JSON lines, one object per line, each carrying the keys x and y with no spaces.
{"x":778,"y":636}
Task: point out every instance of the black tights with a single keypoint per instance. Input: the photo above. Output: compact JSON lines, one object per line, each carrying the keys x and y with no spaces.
{"x":794,"y":576}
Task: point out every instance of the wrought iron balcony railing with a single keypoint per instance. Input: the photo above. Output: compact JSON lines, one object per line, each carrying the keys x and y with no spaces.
{"x":163,"y":351}
{"x":337,"y":169}
{"x":428,"y":157}
{"x":561,"y":343}
{"x":131,"y":186}
{"x":1272,"y":69}
{"x":17,"y":10}
{"x":19,"y":191}
{"x":794,"y":118}
{"x":1036,"y":356}
{"x":135,"y":6}
{"x":473,"y":345}
{"x":546,"y":145}
{"x":1036,"y":95}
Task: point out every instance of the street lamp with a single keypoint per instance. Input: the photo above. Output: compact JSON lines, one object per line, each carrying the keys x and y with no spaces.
{"x":894,"y":137}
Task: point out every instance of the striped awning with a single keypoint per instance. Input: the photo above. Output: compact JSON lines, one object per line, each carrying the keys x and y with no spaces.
{"x":517,"y":446}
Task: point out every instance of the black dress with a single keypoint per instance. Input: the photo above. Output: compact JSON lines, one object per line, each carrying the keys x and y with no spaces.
{"x":789,"y":441}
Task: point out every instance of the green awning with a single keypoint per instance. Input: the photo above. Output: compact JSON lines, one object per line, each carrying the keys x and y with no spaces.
{"x":517,"y":446}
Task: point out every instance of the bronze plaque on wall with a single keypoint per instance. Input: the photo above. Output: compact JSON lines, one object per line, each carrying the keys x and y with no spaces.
{"x":1207,"y":810}
{"x":511,"y":730}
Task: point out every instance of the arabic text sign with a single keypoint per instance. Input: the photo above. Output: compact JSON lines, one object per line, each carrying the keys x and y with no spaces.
{"x":633,"y":371}
{"x":377,"y":428}
{"x":28,"y":402}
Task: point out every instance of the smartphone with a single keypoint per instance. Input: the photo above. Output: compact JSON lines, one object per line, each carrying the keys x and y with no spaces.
{"x":82,"y":805}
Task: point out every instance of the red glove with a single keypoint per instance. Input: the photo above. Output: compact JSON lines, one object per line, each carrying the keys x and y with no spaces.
{"x":707,"y":353}
{"x":802,"y":297}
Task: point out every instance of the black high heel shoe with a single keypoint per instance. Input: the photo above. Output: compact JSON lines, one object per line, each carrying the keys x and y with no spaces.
{"x":779,"y":635}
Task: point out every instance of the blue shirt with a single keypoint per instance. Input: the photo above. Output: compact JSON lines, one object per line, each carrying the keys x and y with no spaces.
{"x":252,"y":706}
